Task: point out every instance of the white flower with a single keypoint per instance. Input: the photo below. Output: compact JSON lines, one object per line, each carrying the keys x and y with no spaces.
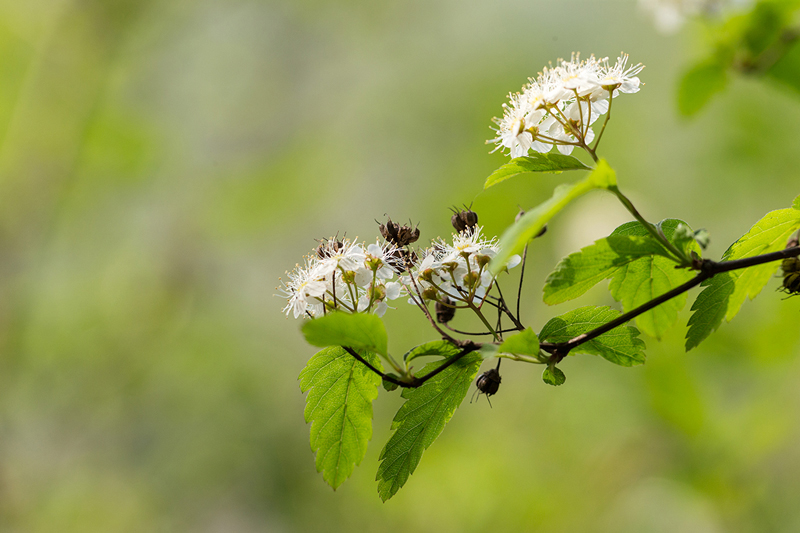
{"x":305,"y":284}
{"x":349,"y":256}
{"x":558,"y":106}
{"x":342,"y":275}
{"x":620,"y":77}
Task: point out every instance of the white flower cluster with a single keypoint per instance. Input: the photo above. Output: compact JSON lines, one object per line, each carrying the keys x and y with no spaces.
{"x":342,"y":275}
{"x":457,"y":271}
{"x":560,"y":105}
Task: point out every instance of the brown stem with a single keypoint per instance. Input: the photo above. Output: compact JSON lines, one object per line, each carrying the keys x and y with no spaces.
{"x":708,"y":269}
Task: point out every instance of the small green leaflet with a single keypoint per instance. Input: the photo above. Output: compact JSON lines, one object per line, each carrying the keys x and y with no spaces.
{"x":621,"y":345}
{"x":517,"y":235}
{"x":339,"y":408}
{"x":639,"y":268}
{"x":524,"y":343}
{"x":554,"y":162}
{"x":359,"y":331}
{"x":553,"y":376}
{"x":442,"y":347}
{"x":421,"y":419}
{"x":725,"y":293}
{"x":699,"y":84}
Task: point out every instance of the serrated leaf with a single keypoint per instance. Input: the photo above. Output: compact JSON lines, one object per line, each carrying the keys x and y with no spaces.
{"x":552,"y":162}
{"x":359,"y":331}
{"x":639,"y":267}
{"x":421,"y":419}
{"x":579,"y":272}
{"x":339,"y":408}
{"x":639,"y":282}
{"x":442,"y":347}
{"x":725,"y":293}
{"x":523,"y":343}
{"x":517,"y":235}
{"x":699,"y":84}
{"x":621,"y":345}
{"x":553,"y":376}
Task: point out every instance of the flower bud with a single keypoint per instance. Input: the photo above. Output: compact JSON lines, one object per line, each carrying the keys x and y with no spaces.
{"x":489,"y":382}
{"x":349,"y":276}
{"x":445,"y":310}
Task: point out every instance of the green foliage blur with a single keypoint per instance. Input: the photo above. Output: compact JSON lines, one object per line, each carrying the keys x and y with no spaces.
{"x":163,"y":163}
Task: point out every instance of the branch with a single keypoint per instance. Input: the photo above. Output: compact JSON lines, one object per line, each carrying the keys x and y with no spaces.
{"x":466,"y":347}
{"x":708,"y":269}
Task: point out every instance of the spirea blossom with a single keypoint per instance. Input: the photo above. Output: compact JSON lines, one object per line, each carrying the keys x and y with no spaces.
{"x":342,"y":275}
{"x":458,"y":270}
{"x":559,"y":106}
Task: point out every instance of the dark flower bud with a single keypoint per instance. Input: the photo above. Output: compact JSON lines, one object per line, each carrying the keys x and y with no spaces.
{"x":489,"y":382}
{"x":445,"y":310}
{"x":397,"y":234}
{"x":464,"y":219}
{"x":791,"y":271}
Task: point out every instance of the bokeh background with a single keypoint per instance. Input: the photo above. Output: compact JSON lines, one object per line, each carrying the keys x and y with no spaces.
{"x":163,"y":163}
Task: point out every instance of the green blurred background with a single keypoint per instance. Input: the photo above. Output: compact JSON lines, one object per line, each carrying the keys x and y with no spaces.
{"x":163,"y":163}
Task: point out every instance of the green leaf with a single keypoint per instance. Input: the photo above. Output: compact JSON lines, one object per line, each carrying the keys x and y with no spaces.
{"x":580,"y":271}
{"x":553,"y":376}
{"x":554,"y":162}
{"x":699,"y":84}
{"x":524,"y":343}
{"x":639,"y":282}
{"x":421,"y":419}
{"x":517,"y":236}
{"x":339,"y":408}
{"x":442,"y":347}
{"x":621,"y":345}
{"x":359,"y":331}
{"x":639,"y":267}
{"x":725,"y":293}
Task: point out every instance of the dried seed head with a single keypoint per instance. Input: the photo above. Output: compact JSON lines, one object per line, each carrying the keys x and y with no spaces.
{"x":397,"y":234}
{"x":445,"y":310}
{"x":328,"y":247}
{"x":401,"y":259}
{"x":464,"y":219}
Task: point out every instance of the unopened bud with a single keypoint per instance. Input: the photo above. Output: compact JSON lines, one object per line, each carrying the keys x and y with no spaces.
{"x":445,"y":310}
